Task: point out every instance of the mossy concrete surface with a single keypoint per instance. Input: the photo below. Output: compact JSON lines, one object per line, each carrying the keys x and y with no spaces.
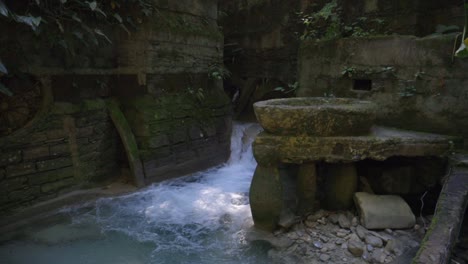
{"x":129,"y":142}
{"x":381,"y":144}
{"x":316,"y":116}
{"x":450,"y":210}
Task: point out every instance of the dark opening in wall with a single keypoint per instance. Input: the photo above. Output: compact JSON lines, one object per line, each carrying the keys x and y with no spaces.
{"x":362,"y":85}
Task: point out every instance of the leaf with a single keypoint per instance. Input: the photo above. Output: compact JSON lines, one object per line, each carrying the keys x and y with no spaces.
{"x":31,"y":21}
{"x":118,"y":17}
{"x":100,"y":11}
{"x":3,"y":9}
{"x":59,"y":25}
{"x":126,"y":29}
{"x":92,"y":5}
{"x":3,"y":69}
{"x":100,"y":33}
{"x":5,"y":90}
{"x":462,"y":52}
{"x":76,"y":18}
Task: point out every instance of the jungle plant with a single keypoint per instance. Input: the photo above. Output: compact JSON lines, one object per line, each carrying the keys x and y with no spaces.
{"x":462,"y":51}
{"x":69,"y":24}
{"x":292,"y":88}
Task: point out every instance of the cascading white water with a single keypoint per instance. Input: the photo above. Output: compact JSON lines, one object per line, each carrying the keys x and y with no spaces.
{"x":200,"y":218}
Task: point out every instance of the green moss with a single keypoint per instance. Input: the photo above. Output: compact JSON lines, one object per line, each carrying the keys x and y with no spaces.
{"x":186,"y":25}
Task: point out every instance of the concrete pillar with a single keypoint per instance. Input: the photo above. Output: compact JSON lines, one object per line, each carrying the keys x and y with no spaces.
{"x":306,"y":188}
{"x":341,"y":184}
{"x":266,"y":197}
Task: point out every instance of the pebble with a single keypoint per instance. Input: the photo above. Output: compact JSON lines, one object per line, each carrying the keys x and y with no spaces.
{"x":333,"y":218}
{"x":322,"y":221}
{"x":378,"y":256}
{"x":318,"y":244}
{"x":324,"y":257}
{"x":356,"y":248}
{"x":361,"y":232}
{"x":370,"y":248}
{"x":374,"y":241}
{"x":355,"y":221}
{"x":343,"y":221}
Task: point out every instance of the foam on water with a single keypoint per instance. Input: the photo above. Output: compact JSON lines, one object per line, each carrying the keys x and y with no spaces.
{"x":200,"y":218}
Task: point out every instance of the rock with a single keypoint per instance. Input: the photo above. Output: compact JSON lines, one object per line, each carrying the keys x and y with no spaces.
{"x":393,"y":246}
{"x":356,"y":248}
{"x":343,"y":221}
{"x":361,"y":232}
{"x":318,"y":244}
{"x":316,"y":216}
{"x":324,"y":257}
{"x":287,"y":219}
{"x":354,"y":237}
{"x":374,"y":241}
{"x":322,"y":221}
{"x":370,"y":248}
{"x":383,"y":211}
{"x":354,"y":221}
{"x":378,"y":256}
{"x":333,"y":218}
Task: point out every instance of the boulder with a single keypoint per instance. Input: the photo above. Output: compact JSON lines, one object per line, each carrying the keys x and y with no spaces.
{"x":383,"y":211}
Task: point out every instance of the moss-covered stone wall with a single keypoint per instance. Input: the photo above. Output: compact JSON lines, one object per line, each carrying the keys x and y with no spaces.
{"x":416,"y":82}
{"x":162,"y":79}
{"x":66,"y":147}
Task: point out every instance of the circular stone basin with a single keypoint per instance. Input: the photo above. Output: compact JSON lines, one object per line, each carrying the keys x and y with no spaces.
{"x":316,"y":116}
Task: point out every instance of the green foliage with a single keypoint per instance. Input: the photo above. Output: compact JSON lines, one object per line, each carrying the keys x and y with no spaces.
{"x":218,"y":72}
{"x":348,"y":71}
{"x":72,"y":24}
{"x":292,"y":88}
{"x":408,"y":91}
{"x":327,"y":23}
{"x":323,"y":24}
{"x":462,"y":51}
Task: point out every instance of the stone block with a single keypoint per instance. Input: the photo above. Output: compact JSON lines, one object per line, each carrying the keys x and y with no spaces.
{"x":13,"y":184}
{"x":178,"y":135}
{"x":85,"y":132}
{"x":20,"y":169}
{"x":383,"y":211}
{"x":24,"y":194}
{"x":60,"y":149}
{"x":12,"y":157}
{"x":2,"y":174}
{"x":56,"y":134}
{"x":36,"y":153}
{"x":157,"y":141}
{"x":54,"y":164}
{"x":195,"y":132}
{"x":56,"y":186}
{"x":50,"y":176}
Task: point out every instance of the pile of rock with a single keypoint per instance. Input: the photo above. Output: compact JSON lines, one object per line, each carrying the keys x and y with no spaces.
{"x":339,"y":237}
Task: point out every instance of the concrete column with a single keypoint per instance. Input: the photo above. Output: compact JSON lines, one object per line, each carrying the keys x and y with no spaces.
{"x":266,"y":200}
{"x":306,"y":188}
{"x":341,"y":184}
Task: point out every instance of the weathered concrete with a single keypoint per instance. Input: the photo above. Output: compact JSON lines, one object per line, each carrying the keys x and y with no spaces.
{"x":383,"y":211}
{"x":381,"y":144}
{"x":445,"y":225}
{"x":316,"y":116}
{"x":341,"y":182}
{"x":414,"y":81}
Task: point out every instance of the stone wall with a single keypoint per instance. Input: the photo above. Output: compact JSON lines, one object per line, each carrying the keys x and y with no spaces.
{"x":66,"y":147}
{"x":261,"y":39}
{"x":416,"y":82}
{"x":160,"y":76}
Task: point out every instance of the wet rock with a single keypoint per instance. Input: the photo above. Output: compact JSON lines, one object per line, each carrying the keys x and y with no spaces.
{"x":383,"y":211}
{"x":318,"y":244}
{"x":356,"y":248}
{"x":374,"y":241}
{"x":343,"y":221}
